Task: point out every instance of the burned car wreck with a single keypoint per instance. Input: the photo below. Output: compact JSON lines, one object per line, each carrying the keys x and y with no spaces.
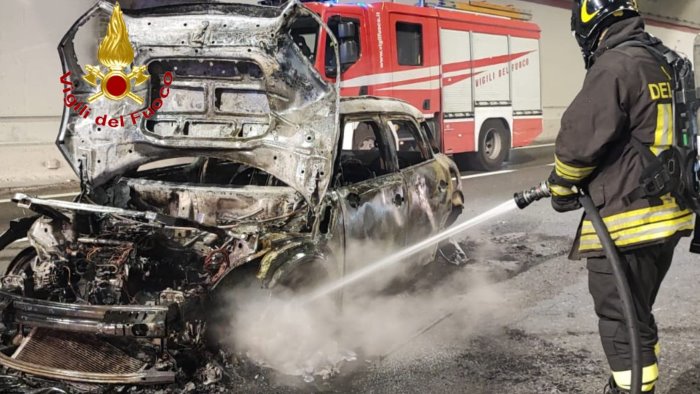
{"x":252,"y":161}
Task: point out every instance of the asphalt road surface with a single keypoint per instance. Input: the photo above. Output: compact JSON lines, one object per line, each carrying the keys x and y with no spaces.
{"x":526,"y":326}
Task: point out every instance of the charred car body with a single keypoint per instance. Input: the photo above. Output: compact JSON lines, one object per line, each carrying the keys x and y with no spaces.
{"x":253,"y":160}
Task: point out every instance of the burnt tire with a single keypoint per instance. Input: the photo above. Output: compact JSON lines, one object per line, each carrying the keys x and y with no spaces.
{"x":235,"y":291}
{"x":494,"y":146}
{"x":304,"y":277}
{"x":21,"y":265}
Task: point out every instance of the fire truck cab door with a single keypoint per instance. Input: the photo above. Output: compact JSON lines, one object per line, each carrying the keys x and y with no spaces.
{"x":414,"y":61}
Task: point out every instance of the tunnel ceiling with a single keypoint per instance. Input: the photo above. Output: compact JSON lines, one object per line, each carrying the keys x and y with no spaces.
{"x":677,"y":12}
{"x":686,"y":12}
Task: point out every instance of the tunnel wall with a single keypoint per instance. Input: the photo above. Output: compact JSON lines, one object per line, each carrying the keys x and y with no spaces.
{"x":31,"y":98}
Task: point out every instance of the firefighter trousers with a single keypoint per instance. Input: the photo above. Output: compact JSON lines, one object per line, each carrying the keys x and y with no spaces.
{"x":645,"y":269}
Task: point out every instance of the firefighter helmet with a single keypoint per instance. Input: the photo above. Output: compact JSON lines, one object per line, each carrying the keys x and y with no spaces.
{"x":589,"y":18}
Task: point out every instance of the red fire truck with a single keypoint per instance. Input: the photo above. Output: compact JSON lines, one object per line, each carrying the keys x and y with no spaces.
{"x":475,"y":76}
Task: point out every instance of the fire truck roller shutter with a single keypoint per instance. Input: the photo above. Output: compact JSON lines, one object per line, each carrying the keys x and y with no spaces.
{"x":457,"y":92}
{"x":525,"y":80}
{"x":493,"y":111}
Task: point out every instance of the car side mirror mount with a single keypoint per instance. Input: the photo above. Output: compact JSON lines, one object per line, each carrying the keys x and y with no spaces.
{"x":353,"y":200}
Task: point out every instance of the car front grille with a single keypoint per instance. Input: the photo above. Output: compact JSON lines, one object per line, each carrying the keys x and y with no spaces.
{"x":75,"y":352}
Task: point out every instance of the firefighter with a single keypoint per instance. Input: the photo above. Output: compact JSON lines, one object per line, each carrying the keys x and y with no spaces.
{"x":626,"y":96}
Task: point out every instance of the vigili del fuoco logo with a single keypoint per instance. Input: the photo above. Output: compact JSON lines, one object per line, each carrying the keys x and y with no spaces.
{"x":115,"y":78}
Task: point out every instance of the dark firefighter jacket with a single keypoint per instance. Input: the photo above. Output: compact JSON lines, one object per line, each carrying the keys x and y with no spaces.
{"x":627,"y":92}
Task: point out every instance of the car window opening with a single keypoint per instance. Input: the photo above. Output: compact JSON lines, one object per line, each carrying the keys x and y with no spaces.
{"x":363,"y":153}
{"x":431,"y":134}
{"x":304,"y":32}
{"x":411,"y":148}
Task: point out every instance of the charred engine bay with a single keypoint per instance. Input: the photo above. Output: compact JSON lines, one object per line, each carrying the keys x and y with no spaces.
{"x":117,"y":259}
{"x":144,"y":287}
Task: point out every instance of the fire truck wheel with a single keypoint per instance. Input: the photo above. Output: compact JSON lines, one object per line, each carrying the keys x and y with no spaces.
{"x":494,"y":146}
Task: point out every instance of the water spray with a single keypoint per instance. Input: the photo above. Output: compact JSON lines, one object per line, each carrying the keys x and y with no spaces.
{"x":524,"y":198}
{"x":408,"y":252}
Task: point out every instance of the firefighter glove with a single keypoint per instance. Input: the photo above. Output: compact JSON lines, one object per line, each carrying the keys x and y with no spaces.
{"x":564,"y":198}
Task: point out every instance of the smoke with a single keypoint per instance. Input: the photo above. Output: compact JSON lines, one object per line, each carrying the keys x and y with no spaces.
{"x":378,"y":316}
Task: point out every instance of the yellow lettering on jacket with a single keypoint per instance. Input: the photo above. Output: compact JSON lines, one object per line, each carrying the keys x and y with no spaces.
{"x":661,"y":90}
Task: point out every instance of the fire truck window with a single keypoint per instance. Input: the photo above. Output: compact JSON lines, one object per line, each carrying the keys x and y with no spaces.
{"x":411,"y":148}
{"x":330,"y":60}
{"x":304,"y":33}
{"x":363,"y":153}
{"x":409,"y":44}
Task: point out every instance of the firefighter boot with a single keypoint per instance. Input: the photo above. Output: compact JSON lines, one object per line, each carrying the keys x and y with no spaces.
{"x":613,"y":388}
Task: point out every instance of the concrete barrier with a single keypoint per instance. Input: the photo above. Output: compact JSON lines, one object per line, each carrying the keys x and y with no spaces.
{"x":29,"y":154}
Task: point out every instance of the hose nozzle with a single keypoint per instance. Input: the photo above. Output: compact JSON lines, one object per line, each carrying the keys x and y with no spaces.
{"x":536,"y":193}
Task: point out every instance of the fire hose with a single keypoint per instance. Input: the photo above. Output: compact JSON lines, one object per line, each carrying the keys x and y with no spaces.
{"x":695,"y":242}
{"x":527,"y":197}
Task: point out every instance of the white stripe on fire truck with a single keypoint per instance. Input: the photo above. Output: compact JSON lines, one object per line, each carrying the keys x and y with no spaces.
{"x":387,"y":78}
{"x":458,"y":73}
{"x":398,"y":76}
{"x":427,"y":85}
{"x":432,"y":72}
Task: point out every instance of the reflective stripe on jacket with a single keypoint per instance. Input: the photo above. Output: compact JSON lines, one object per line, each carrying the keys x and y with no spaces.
{"x":639,"y":226}
{"x":626,"y":93}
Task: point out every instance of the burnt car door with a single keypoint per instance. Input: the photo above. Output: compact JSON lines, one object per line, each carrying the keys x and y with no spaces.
{"x":427,"y":182}
{"x":371,"y":192}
